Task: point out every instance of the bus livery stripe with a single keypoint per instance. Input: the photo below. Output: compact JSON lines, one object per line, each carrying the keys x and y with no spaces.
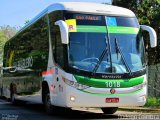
{"x":48,"y":72}
{"x":111,"y":29}
{"x":99,"y":83}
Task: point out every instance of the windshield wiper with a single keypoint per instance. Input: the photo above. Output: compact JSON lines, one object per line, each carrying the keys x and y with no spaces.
{"x":105,"y":52}
{"x":100,"y":60}
{"x":118,"y":49}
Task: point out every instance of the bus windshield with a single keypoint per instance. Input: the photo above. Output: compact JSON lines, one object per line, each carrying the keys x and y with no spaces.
{"x":113,"y":48}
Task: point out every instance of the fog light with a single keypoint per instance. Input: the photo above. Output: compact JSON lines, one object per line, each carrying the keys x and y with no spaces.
{"x":72,"y":98}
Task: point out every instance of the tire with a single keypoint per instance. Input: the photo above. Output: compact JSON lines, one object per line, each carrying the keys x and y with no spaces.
{"x":12,"y":98}
{"x":1,"y":92}
{"x":12,"y":94}
{"x":47,"y":104}
{"x":109,"y":110}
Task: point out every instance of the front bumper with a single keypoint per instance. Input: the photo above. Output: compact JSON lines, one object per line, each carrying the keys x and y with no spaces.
{"x":77,"y":98}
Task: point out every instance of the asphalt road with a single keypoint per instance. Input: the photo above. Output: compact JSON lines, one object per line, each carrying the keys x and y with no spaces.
{"x":32,"y":111}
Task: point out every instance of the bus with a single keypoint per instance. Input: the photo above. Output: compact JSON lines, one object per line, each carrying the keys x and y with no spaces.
{"x":76,"y":54}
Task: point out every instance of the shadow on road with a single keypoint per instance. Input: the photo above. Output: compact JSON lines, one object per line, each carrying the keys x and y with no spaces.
{"x":61,"y":114}
{"x":67,"y":114}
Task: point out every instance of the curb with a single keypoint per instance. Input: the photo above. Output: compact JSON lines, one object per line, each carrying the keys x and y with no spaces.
{"x":144,"y":110}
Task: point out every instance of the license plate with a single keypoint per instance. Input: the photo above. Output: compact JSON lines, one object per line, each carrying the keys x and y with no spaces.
{"x":112,"y":100}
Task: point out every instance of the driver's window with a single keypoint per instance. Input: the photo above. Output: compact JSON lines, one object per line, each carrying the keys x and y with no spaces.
{"x":59,"y":54}
{"x":57,"y":46}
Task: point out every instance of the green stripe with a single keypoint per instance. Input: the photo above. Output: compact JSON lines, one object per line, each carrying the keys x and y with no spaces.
{"x":111,"y":29}
{"x":101,"y":83}
{"x":123,"y":30}
{"x":112,"y":95}
{"x":82,"y":28}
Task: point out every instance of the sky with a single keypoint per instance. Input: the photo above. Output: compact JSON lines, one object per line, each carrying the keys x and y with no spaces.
{"x":16,"y":12}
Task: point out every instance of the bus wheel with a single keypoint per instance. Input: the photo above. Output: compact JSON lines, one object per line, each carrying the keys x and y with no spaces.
{"x":47,"y":104}
{"x":1,"y":92}
{"x":12,"y":94}
{"x":12,"y":98}
{"x":109,"y":110}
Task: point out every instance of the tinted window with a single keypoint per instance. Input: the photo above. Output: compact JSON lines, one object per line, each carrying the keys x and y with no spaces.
{"x":128,"y":22}
{"x":30,"y":48}
{"x":57,"y":46}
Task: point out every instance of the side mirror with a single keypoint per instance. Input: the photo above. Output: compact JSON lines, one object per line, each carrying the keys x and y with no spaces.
{"x":152,"y":34}
{"x":64,"y":31}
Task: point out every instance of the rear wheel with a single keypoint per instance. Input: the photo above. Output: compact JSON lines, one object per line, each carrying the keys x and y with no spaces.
{"x":109,"y":110}
{"x":12,"y":98}
{"x":12,"y":94}
{"x":1,"y":92}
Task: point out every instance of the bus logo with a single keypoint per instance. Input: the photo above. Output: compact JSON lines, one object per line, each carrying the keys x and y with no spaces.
{"x":112,"y":91}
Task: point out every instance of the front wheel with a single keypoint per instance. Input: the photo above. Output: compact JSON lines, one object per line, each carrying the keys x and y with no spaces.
{"x":47,"y":104}
{"x":109,"y":110}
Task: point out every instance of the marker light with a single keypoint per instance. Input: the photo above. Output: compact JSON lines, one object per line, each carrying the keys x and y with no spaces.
{"x":74,"y":84}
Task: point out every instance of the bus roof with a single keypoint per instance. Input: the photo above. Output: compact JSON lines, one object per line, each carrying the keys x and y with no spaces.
{"x":84,"y":7}
{"x":96,"y":8}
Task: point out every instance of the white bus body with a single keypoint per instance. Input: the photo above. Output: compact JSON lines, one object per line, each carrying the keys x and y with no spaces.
{"x":100,"y":64}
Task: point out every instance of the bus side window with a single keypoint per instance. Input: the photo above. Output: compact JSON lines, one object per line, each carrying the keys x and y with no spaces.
{"x":57,"y":46}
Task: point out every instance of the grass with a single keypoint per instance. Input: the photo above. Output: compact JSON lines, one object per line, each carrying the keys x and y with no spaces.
{"x":153,"y":102}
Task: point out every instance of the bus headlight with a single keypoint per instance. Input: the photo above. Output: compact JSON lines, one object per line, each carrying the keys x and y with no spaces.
{"x":74,"y":84}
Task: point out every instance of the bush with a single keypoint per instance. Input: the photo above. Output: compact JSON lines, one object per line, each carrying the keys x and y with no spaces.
{"x":153,"y":102}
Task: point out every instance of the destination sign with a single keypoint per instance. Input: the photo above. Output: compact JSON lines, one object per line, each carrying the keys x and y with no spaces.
{"x":87,"y":17}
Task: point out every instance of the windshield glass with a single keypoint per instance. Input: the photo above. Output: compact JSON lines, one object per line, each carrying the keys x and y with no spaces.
{"x":91,"y":35}
{"x":84,"y":51}
{"x":132,"y":49}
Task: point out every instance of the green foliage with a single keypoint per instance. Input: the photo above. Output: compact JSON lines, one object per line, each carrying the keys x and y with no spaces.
{"x":132,"y":4}
{"x":6,"y":32}
{"x":26,"y":22}
{"x":2,"y":42}
{"x":153,"y":102}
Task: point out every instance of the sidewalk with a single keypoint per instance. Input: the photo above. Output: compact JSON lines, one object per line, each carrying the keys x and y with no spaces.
{"x":140,"y":109}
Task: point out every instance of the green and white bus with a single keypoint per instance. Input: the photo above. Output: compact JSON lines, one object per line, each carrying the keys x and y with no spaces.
{"x":78,"y":55}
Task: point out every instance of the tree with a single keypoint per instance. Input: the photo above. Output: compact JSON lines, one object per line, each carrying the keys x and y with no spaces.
{"x":26,"y":22}
{"x":132,"y":4}
{"x":2,"y":42}
{"x":6,"y":32}
{"x":148,"y":13}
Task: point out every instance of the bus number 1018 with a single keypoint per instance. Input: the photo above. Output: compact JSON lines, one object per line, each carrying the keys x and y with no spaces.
{"x":113,"y":84}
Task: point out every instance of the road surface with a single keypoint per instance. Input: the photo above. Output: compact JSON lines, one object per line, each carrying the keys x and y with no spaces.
{"x":32,"y":111}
